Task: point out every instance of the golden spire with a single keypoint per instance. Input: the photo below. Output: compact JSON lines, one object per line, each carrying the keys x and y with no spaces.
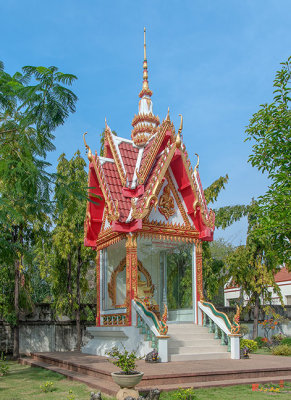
{"x":145,"y":85}
{"x":144,"y":45}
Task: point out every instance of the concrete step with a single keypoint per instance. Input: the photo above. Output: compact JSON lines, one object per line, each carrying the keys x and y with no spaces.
{"x":99,"y":384}
{"x":197,"y":349}
{"x":190,"y":343}
{"x":192,"y":335}
{"x":71,"y":366}
{"x":199,"y":356}
{"x":186,"y":327}
{"x":194,"y":342}
{"x":222,"y":383}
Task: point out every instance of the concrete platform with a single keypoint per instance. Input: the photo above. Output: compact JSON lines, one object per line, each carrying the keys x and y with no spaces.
{"x":95,"y":371}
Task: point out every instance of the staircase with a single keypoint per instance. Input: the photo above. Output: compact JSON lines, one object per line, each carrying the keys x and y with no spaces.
{"x":193,"y":342}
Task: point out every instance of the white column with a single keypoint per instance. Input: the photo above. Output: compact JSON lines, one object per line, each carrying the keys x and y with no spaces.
{"x":194,"y":283}
{"x":235,"y":346}
{"x":165,"y":297}
{"x":163,"y":349}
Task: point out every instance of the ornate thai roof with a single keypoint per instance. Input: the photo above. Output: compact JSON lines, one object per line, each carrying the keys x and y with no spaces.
{"x":139,"y":175}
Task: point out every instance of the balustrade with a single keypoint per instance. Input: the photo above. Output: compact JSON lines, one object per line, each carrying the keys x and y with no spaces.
{"x":219,"y":324}
{"x":114,"y":319}
{"x":154,"y":331}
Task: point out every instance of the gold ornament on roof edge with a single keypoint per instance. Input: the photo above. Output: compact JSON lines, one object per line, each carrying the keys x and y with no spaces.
{"x":166,"y":204}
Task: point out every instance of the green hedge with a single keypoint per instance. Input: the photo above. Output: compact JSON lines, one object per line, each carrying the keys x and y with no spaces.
{"x":287,"y":341}
{"x":282,"y":350}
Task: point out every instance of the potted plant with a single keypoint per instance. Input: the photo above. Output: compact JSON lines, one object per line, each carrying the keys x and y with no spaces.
{"x":126,"y":361}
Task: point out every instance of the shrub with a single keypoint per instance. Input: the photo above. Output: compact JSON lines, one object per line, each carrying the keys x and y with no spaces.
{"x":287,"y":341}
{"x":244,"y":329}
{"x":4,"y":367}
{"x":277,"y":339}
{"x":282,"y":350}
{"x":47,"y":387}
{"x":185,"y":394}
{"x":71,"y":395}
{"x":266,"y":342}
{"x":124,"y":360}
{"x":250,"y":344}
{"x":259,"y":341}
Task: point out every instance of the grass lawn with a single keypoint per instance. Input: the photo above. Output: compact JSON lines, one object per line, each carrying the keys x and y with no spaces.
{"x":241,"y":392}
{"x":264,"y":350}
{"x":23,"y":383}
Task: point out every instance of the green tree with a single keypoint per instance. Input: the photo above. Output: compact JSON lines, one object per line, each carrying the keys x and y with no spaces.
{"x":270,"y":132}
{"x":215,"y":253}
{"x":252,"y":267}
{"x":215,"y":270}
{"x":63,"y":259}
{"x":32,"y":105}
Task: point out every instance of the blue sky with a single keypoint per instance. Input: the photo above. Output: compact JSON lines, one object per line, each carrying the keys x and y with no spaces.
{"x":213,"y":61}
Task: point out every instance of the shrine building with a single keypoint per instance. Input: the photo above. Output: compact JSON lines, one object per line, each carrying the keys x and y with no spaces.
{"x":147,"y":226}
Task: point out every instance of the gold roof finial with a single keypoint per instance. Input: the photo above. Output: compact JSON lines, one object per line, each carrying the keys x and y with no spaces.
{"x":178,"y":138}
{"x":145,"y":85}
{"x":168,"y":115}
{"x":90,"y":156}
{"x":144,"y":44}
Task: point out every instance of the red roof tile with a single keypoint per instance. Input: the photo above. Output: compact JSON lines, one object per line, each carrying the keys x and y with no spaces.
{"x":115,"y":187}
{"x":129,"y":155}
{"x":283,"y":275}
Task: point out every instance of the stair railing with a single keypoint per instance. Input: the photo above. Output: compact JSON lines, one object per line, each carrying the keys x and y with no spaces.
{"x":219,"y":324}
{"x":155,"y":330}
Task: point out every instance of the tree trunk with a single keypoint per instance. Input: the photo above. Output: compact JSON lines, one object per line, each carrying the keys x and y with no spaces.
{"x":256,"y":316}
{"x":78,"y":321}
{"x":16,"y":310}
{"x":69,"y":274}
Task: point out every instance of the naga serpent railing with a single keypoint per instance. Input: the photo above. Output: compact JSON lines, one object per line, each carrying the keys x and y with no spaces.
{"x":219,"y":324}
{"x":155,"y":330}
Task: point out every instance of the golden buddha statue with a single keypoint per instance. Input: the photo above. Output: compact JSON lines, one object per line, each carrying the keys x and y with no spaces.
{"x":146,"y":292}
{"x":142,"y":289}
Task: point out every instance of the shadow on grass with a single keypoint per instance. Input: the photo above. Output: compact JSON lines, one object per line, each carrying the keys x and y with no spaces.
{"x":18,"y":371}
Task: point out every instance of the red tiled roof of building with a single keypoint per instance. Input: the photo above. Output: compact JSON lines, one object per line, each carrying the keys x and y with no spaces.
{"x":283,"y":275}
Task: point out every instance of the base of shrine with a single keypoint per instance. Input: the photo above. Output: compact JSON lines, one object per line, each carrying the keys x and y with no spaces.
{"x":123,"y":337}
{"x":95,"y":371}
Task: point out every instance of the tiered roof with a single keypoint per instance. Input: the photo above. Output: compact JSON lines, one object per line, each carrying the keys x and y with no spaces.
{"x":129,"y":177}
